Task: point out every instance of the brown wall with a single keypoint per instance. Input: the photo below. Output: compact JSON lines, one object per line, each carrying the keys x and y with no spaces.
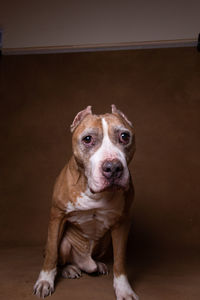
{"x":157,"y":89}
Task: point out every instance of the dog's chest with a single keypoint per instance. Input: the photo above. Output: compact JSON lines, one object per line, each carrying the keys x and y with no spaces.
{"x":95,"y":217}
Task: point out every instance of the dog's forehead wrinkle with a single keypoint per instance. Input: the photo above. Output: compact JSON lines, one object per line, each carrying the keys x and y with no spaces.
{"x":114,"y":121}
{"x":90,"y":121}
{"x":101,"y":122}
{"x":90,"y":130}
{"x":121,"y":127}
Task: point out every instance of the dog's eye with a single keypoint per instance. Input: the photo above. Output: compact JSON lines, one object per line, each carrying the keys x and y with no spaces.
{"x":124,"y":138}
{"x":87,"y":139}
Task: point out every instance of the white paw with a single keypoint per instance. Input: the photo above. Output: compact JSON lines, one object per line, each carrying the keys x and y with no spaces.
{"x":71,"y":271}
{"x":123,"y":289}
{"x":102,"y":268}
{"x":43,"y":289}
{"x":44,"y":286}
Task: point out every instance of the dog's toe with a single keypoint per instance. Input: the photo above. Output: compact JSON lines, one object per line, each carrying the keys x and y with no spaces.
{"x":71,"y":271}
{"x":102,"y":268}
{"x":43,"y":289}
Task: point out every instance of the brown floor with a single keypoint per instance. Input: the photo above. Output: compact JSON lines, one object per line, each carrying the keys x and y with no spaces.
{"x":166,"y":278}
{"x":159,"y":90}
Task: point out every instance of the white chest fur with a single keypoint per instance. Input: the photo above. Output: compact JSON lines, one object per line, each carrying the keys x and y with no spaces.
{"x":95,"y":214}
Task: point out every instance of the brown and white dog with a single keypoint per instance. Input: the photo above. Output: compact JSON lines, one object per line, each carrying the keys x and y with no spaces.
{"x":91,"y":201}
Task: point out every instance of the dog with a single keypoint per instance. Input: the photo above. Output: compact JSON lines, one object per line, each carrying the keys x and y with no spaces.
{"x":91,"y":203}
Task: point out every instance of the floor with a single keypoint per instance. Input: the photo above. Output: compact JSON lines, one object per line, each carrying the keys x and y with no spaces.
{"x":153,"y":277}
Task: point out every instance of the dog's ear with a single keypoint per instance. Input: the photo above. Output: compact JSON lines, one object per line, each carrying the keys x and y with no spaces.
{"x":80,"y":116}
{"x":119,"y":112}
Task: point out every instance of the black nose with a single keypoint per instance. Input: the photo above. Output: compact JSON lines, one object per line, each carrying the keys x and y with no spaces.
{"x":112,"y":169}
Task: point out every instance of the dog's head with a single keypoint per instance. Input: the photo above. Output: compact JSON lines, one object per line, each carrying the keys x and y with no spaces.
{"x":103,"y":146}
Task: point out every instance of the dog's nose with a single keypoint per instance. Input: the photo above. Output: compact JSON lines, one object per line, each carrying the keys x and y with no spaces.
{"x":112,"y":169}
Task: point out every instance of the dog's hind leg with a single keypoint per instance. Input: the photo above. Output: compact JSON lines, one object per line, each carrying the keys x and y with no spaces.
{"x":76,"y":254}
{"x":65,"y":251}
{"x":84,"y":260}
{"x":70,"y":270}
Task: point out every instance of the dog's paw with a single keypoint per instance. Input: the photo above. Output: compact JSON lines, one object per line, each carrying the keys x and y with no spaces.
{"x":44,"y":286}
{"x":71,"y":271}
{"x":102,"y":268}
{"x":123,"y":289}
{"x":43,"y":289}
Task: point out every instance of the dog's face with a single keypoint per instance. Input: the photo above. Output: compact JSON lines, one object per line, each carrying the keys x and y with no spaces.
{"x":103,"y":146}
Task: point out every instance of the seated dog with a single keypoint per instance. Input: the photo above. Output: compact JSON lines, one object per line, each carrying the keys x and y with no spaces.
{"x":91,"y":201}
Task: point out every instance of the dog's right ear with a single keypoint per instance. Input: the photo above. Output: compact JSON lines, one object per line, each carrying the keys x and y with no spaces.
{"x":80,"y":116}
{"x":119,"y":112}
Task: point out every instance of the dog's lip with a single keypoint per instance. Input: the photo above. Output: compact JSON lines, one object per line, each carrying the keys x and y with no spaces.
{"x":110,"y":188}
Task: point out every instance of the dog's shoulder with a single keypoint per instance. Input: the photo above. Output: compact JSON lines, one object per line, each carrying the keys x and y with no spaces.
{"x":69,"y":184}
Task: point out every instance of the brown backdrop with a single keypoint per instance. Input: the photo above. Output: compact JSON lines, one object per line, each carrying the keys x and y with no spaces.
{"x":159,"y":91}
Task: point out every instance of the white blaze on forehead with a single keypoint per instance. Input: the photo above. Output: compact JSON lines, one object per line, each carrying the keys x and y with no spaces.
{"x":105,"y":132}
{"x":107,"y":151}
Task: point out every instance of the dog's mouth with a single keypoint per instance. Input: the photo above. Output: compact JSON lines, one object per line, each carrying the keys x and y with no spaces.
{"x":110,"y":186}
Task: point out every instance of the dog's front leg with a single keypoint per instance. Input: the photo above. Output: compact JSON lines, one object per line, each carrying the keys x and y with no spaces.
{"x":44,"y":286}
{"x":122,"y":287}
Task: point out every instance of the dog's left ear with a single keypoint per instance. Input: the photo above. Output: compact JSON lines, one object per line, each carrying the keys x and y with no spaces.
{"x":80,"y":116}
{"x":119,"y":112}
